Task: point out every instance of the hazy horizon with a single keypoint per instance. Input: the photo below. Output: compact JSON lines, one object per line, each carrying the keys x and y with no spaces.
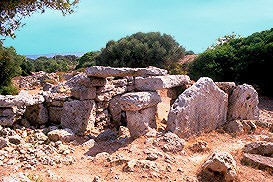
{"x":194,"y":24}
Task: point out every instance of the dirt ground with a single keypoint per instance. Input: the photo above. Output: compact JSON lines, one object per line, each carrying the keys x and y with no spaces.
{"x":182,"y":166}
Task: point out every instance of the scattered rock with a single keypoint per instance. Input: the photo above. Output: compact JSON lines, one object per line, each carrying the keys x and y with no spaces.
{"x":123,"y":132}
{"x":170,"y":142}
{"x":16,"y":139}
{"x":220,"y":165}
{"x":66,"y":135}
{"x":19,"y":177}
{"x":200,"y":108}
{"x":258,"y":161}
{"x":90,"y":143}
{"x":200,"y":146}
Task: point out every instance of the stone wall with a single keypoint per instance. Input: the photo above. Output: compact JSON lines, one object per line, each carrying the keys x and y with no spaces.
{"x":140,"y":98}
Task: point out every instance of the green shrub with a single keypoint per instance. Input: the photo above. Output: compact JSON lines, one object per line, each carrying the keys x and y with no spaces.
{"x":9,"y":90}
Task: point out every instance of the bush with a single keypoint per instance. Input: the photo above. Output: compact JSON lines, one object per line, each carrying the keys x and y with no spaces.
{"x":9,"y":90}
{"x":244,"y":60}
{"x":141,"y":50}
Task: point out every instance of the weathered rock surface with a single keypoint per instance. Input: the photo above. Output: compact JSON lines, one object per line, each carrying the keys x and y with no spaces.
{"x":3,"y":142}
{"x":170,"y":142}
{"x":161,"y":82}
{"x":140,"y":122}
{"x":55,"y":114}
{"x":200,"y":108}
{"x":103,"y":72}
{"x":79,"y":116}
{"x":240,"y":126}
{"x":106,"y":135}
{"x":243,"y":104}
{"x":220,"y":163}
{"x":261,"y":148}
{"x":83,"y":93}
{"x":138,"y":100}
{"x":258,"y":161}
{"x":37,"y":114}
{"x":65,"y":135}
{"x":115,"y":109}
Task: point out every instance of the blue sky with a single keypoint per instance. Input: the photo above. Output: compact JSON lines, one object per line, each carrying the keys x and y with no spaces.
{"x":195,"y":24}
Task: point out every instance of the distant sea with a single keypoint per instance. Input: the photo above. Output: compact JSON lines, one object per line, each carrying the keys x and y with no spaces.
{"x":35,"y":56}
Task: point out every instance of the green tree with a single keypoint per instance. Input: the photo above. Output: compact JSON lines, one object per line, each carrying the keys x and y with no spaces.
{"x":141,"y":50}
{"x":12,"y":11}
{"x":9,"y":68}
{"x":88,"y":59}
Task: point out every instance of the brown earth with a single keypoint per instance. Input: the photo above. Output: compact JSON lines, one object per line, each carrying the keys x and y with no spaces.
{"x":182,"y":166}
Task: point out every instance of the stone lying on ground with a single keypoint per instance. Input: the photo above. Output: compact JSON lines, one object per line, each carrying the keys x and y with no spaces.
{"x":161,"y":82}
{"x":221,"y":164}
{"x":200,"y":108}
{"x":243,"y":104}
{"x":199,"y":146}
{"x":261,"y":148}
{"x":138,"y":100}
{"x":134,"y":164}
{"x":22,"y":99}
{"x":106,"y":135}
{"x":19,"y":177}
{"x":79,"y":116}
{"x":103,"y":72}
{"x":227,"y":87}
{"x":240,"y":126}
{"x":61,"y":134}
{"x":170,"y":142}
{"x":258,"y":161}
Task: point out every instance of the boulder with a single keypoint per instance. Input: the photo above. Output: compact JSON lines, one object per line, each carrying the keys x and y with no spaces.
{"x":55,"y":99}
{"x":36,"y":114}
{"x":160,"y":82}
{"x":103,"y":72}
{"x":79,"y":116}
{"x":140,"y":122}
{"x":65,"y":135}
{"x":83,"y":93}
{"x":258,"y":161}
{"x":200,"y":108}
{"x":243,"y":104}
{"x":138,"y":100}
{"x":220,"y":165}
{"x":261,"y":148}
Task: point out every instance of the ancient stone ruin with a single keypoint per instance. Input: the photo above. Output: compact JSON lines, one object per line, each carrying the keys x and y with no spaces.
{"x":139,"y":98}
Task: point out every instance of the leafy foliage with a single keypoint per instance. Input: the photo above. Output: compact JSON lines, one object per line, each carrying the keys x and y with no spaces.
{"x":141,"y":50}
{"x":12,"y":11}
{"x":87,"y":60}
{"x":9,"y":68}
{"x":245,"y":60}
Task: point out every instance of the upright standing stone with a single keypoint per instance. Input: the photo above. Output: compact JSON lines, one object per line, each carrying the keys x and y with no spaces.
{"x":200,"y":108}
{"x":243,"y":104}
{"x":79,"y":116}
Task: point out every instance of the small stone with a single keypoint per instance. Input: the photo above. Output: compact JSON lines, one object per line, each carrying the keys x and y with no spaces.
{"x":96,"y":179}
{"x":15,"y":139}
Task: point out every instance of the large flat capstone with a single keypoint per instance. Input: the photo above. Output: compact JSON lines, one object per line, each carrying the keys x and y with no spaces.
{"x":161,"y":82}
{"x":200,"y":108}
{"x":103,"y":72}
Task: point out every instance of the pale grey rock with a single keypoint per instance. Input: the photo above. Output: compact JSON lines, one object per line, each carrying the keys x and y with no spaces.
{"x":140,"y":122}
{"x":160,"y":82}
{"x":138,"y":100}
{"x":55,"y":99}
{"x":65,"y":135}
{"x":200,"y":108}
{"x":227,"y":87}
{"x":83,"y":93}
{"x":36,"y":114}
{"x":103,"y":72}
{"x":79,"y":116}
{"x":107,"y":96}
{"x":243,"y":104}
{"x":90,"y":143}
{"x":22,"y":99}
{"x":223,"y":163}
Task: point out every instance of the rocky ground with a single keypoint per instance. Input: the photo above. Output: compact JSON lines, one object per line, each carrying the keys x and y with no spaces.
{"x":48,"y":154}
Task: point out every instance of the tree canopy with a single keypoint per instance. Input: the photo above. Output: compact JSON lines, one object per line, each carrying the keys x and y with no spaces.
{"x":245,"y":60}
{"x":141,"y":50}
{"x":12,"y":11}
